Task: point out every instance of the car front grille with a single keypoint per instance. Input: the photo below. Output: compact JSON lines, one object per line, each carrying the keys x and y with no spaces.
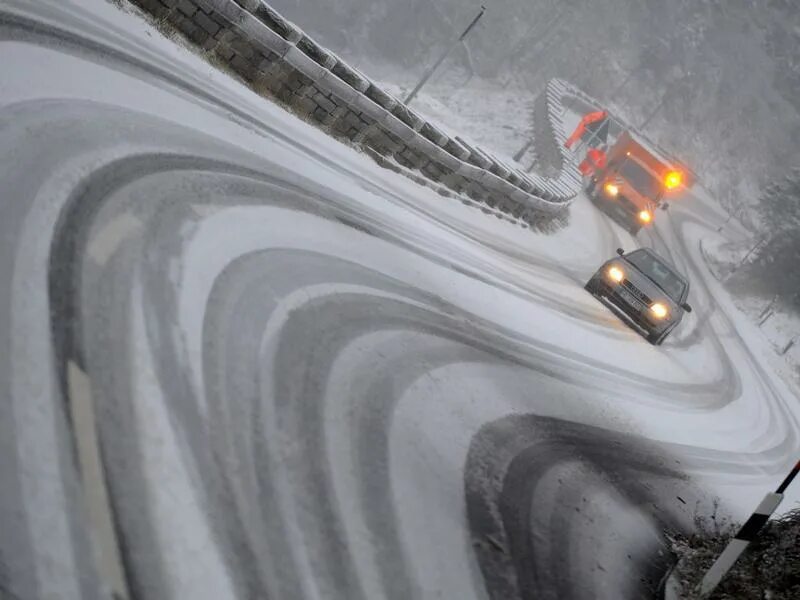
{"x":635,"y":314}
{"x":627,"y":204}
{"x":636,"y":292}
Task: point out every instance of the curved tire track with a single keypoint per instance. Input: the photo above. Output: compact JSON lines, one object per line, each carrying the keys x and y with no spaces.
{"x":288,"y":351}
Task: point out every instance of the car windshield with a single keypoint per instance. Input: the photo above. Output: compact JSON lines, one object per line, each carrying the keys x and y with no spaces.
{"x":640,"y":179}
{"x":657,"y":271}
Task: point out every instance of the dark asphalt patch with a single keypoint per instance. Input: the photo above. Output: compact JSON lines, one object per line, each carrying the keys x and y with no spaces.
{"x":509,"y":458}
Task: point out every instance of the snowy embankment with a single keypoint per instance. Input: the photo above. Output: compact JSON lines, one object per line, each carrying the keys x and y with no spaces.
{"x":313,"y":378}
{"x":478,"y":110}
{"x":778,"y":325}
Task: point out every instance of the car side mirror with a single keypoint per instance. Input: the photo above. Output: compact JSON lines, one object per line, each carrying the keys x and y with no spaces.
{"x":685,"y":306}
{"x":620,"y":251}
{"x":665,"y":206}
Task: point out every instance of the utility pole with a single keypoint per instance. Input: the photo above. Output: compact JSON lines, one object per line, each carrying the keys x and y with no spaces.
{"x":628,"y":77}
{"x":447,"y":52}
{"x":654,"y":113}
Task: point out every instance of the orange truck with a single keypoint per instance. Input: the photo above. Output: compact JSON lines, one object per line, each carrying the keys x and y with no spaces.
{"x":634,"y":181}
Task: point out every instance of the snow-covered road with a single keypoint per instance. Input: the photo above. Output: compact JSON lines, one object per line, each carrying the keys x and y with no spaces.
{"x":311,"y":378}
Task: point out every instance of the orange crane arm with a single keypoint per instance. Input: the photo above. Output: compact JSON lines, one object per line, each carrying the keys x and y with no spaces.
{"x":581,"y":128}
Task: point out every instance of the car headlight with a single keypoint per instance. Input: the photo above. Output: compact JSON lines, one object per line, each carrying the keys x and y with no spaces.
{"x":616,"y":274}
{"x":645,"y":216}
{"x":659,"y":310}
{"x":611,"y":189}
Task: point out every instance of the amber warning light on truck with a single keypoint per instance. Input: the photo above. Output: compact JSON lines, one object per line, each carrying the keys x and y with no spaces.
{"x":673,"y":179}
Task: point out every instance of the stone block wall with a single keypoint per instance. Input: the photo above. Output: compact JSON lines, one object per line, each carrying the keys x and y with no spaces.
{"x":277,"y":58}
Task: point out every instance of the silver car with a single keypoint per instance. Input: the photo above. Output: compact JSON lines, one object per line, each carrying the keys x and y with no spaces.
{"x":644,"y":290}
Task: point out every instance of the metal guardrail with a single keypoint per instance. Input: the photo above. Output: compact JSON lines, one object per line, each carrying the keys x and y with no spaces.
{"x":271,"y":52}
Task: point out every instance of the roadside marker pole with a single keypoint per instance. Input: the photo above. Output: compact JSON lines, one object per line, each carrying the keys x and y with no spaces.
{"x":788,"y":345}
{"x":739,"y":543}
{"x":744,"y":258}
{"x":746,"y":534}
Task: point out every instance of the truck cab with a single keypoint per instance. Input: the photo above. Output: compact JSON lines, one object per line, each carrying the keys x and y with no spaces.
{"x":633,"y":183}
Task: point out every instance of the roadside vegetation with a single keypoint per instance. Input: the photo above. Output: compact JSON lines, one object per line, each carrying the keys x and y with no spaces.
{"x":774,"y":270}
{"x":768,"y":570}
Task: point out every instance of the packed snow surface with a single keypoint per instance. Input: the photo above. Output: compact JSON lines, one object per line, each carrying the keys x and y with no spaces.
{"x":312,"y":378}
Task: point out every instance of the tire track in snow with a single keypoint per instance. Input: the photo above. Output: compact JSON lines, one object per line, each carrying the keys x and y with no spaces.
{"x":257,"y":335}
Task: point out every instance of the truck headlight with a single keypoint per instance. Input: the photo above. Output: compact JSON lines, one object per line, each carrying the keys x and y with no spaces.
{"x":645,"y":216}
{"x":659,"y":310}
{"x":611,"y":189}
{"x":616,"y":274}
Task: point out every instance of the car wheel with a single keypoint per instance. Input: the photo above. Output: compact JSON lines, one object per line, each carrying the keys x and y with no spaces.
{"x":591,"y":287}
{"x":634,"y":229}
